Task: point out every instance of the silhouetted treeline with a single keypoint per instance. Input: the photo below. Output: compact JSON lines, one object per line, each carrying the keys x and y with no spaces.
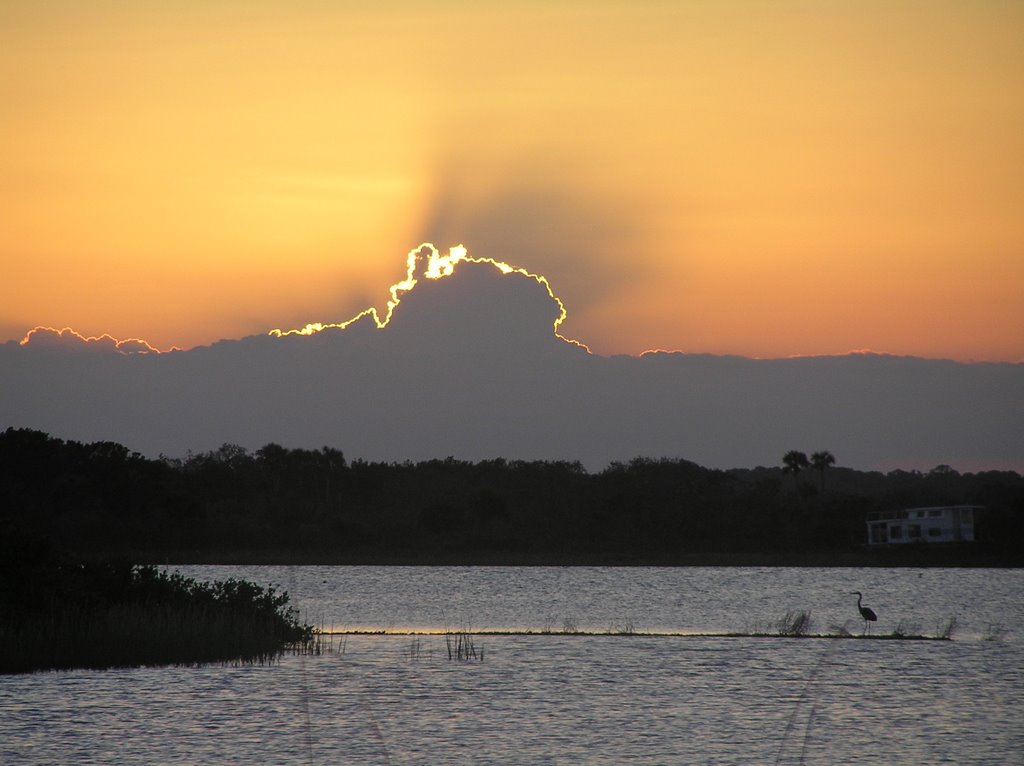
{"x":304,"y":505}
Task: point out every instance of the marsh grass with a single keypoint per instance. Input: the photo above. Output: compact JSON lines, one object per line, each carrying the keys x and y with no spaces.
{"x":906,"y":629}
{"x":798,"y":624}
{"x":842,"y":631}
{"x":945,"y":630}
{"x":119,"y":615}
{"x":461,"y":646}
{"x":569,"y":627}
{"x":626,"y":629}
{"x":795,"y":623}
{"x":994,"y":631}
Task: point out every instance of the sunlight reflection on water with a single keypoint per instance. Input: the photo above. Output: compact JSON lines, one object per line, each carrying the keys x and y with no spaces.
{"x":556,"y":699}
{"x":656,"y":599}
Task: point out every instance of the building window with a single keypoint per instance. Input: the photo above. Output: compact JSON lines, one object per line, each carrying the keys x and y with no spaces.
{"x":895,"y":533}
{"x":936,"y":513}
{"x":920,"y":514}
{"x":934,"y":532}
{"x":878,"y":533}
{"x":914,"y":530}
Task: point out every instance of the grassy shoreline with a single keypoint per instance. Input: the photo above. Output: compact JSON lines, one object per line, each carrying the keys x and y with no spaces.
{"x":895,"y":636}
{"x":116,"y":614}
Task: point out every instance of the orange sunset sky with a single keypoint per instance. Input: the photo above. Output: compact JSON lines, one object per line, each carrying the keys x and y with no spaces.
{"x":757,"y":178}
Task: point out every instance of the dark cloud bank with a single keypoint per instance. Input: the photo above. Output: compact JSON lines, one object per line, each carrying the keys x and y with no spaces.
{"x":470,"y":367}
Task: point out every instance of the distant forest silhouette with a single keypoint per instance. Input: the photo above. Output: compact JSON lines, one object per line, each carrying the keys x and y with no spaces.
{"x":278,"y":504}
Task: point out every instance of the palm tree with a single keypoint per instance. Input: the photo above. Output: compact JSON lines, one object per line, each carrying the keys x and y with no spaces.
{"x":821,"y":461}
{"x":794,"y":462}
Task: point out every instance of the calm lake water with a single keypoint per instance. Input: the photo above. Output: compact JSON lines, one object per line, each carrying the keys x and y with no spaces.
{"x":560,"y":699}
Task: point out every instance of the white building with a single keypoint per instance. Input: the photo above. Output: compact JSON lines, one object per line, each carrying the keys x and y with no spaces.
{"x":940,"y":524}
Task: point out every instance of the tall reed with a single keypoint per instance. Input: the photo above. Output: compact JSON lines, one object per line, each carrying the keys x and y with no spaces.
{"x":462,"y":647}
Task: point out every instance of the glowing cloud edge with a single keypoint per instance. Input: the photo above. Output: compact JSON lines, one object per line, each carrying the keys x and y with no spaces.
{"x":119,"y":345}
{"x":437,"y":267}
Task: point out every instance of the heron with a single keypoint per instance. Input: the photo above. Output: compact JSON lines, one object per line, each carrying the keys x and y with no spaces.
{"x":866,"y":612}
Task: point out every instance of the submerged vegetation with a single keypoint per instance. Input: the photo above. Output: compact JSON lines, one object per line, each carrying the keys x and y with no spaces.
{"x":63,"y":614}
{"x":461,"y":645}
{"x":279,"y":505}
